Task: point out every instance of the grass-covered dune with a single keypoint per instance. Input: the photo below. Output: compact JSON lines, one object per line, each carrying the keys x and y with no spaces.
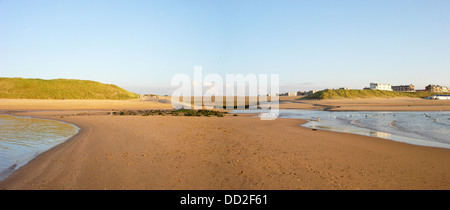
{"x":20,"y":88}
{"x":350,"y":94}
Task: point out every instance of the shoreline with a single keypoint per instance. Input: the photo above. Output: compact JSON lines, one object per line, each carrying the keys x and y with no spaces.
{"x":367,"y":104}
{"x":47,"y":166}
{"x":16,"y":167}
{"x":366,"y":131}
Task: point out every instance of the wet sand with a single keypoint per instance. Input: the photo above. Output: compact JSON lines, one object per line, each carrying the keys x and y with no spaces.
{"x":233,"y":152}
{"x":371,"y":104}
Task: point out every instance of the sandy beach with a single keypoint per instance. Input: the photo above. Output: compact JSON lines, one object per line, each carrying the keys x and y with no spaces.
{"x":372,"y":104}
{"x":286,"y":102}
{"x":369,"y":104}
{"x":182,"y":95}
{"x":44,"y":104}
{"x":219,"y":153}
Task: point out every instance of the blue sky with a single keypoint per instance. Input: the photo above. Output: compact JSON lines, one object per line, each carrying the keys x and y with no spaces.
{"x":140,"y":45}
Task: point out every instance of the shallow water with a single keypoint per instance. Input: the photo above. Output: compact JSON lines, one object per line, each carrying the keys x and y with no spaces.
{"x":23,"y":138}
{"x":419,"y":128}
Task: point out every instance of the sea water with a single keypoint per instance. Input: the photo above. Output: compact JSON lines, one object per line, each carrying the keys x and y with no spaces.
{"x":418,"y":128}
{"x":23,"y":138}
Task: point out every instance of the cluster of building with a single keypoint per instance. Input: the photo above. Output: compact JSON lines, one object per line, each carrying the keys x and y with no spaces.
{"x":299,"y":93}
{"x":407,"y":88}
{"x":382,"y":86}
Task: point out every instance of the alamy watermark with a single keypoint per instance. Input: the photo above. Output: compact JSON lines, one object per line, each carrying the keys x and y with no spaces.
{"x":237,"y":91}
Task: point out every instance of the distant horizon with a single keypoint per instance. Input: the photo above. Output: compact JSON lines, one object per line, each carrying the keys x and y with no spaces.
{"x":312,"y":45}
{"x":167,"y":90}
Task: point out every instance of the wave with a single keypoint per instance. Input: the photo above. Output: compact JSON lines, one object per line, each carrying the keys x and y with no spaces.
{"x":406,"y":131}
{"x":441,"y":122}
{"x":427,"y":129}
{"x":393,"y":124}
{"x":444,"y":119}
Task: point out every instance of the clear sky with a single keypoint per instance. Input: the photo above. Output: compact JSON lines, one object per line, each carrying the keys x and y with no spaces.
{"x":314,"y":44}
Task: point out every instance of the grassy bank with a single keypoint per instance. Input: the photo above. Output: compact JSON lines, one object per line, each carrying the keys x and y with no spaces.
{"x":351,"y":94}
{"x":19,"y":88}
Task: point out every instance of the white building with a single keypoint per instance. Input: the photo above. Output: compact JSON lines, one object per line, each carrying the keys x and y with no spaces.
{"x":380,"y":86}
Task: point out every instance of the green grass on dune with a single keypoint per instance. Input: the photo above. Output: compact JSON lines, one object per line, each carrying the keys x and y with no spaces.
{"x":350,"y":94}
{"x":19,"y":88}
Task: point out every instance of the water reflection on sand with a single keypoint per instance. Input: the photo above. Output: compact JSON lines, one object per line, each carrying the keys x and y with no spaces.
{"x":419,"y":128}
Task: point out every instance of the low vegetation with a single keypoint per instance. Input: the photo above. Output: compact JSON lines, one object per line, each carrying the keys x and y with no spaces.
{"x":180,"y":112}
{"x":19,"y":88}
{"x":350,"y":94}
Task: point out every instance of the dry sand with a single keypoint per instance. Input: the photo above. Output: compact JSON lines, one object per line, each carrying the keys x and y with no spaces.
{"x":36,"y":104}
{"x":174,"y":152}
{"x":286,"y":102}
